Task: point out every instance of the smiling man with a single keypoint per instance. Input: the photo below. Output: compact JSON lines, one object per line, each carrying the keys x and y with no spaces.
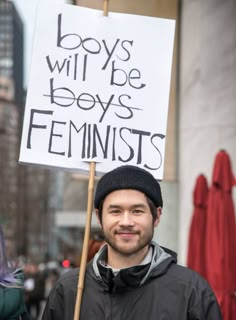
{"x":128,"y":227}
{"x":132,"y":277}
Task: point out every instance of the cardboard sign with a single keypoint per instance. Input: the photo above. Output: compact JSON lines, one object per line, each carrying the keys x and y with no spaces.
{"x":98,"y":90}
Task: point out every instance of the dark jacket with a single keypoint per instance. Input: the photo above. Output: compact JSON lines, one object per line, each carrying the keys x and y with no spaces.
{"x":160,"y":290}
{"x":12,"y":304}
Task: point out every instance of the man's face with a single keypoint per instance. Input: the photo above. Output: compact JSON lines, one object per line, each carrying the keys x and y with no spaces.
{"x":127,"y":222}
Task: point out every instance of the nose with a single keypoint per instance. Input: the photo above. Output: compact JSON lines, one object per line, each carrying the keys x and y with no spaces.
{"x":126,"y":220}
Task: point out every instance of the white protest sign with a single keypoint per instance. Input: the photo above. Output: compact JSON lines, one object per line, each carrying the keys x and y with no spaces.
{"x":98,"y":90}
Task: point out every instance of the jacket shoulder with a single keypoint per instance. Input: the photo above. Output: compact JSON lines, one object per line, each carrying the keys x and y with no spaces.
{"x":188,"y":276}
{"x":68,"y":278}
{"x":202,"y":303}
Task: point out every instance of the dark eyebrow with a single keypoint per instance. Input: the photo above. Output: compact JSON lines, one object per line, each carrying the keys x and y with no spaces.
{"x":113,"y":206}
{"x":138,"y":205}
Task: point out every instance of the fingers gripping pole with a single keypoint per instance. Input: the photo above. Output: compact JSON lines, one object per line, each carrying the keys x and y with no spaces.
{"x":82,"y":270}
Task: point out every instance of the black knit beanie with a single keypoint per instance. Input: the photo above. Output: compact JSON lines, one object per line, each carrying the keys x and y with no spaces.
{"x":128,"y":177}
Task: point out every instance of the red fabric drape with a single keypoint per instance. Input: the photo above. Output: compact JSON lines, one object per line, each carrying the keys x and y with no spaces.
{"x":196,"y":245}
{"x":221,"y":236}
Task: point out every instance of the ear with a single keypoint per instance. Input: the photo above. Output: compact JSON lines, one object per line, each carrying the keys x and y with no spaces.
{"x":97,"y":215}
{"x":158,"y":218}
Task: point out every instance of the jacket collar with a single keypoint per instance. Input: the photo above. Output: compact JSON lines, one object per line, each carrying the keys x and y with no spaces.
{"x":134,"y":276}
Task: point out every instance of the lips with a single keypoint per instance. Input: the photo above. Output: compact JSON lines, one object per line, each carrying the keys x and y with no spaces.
{"x":126,"y":234}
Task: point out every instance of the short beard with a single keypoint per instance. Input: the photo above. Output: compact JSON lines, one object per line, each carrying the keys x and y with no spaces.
{"x":133,"y":249}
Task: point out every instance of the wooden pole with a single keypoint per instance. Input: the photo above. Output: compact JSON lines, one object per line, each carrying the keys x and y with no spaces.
{"x":105,"y":7}
{"x":83,"y":263}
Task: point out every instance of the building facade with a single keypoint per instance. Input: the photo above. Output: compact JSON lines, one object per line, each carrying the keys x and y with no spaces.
{"x":11,"y":101}
{"x":25,"y":192}
{"x":11,"y":54}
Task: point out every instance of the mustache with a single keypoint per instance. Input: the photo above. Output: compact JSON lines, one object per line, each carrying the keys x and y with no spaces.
{"x":126,"y":230}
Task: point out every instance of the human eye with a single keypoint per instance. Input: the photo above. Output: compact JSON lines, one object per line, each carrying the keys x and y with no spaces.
{"x":114,"y":212}
{"x":138,"y":212}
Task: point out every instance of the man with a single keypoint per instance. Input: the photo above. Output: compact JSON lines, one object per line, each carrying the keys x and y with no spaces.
{"x":132,"y":277}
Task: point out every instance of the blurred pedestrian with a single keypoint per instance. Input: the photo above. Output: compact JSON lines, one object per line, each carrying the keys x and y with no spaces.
{"x":12,"y":304}
{"x":34,"y":289}
{"x":53,"y":276}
